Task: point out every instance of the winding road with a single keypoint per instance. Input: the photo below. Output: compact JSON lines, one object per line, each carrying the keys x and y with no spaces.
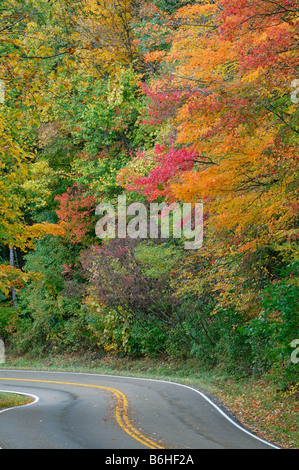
{"x":91,"y":411}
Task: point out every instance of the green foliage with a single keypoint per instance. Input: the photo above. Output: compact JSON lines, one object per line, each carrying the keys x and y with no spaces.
{"x":8,"y":318}
{"x":271,"y":333}
{"x":113,"y":331}
{"x":149,"y":337}
{"x":158,"y":260}
{"x":170,"y":6}
{"x":50,"y":306}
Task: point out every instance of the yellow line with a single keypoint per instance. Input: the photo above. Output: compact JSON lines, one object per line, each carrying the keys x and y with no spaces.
{"x":121,"y":411}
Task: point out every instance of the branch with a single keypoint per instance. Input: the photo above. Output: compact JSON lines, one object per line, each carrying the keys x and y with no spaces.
{"x":13,"y":24}
{"x":282,"y":119}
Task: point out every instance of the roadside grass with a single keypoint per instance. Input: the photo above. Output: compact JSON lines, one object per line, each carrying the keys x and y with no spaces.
{"x":10,"y":400}
{"x":256,"y":403}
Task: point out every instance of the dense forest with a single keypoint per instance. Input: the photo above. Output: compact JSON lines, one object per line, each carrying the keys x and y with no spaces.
{"x":168,"y":102}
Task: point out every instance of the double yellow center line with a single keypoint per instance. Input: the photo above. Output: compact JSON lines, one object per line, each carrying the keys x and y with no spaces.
{"x":121,"y":411}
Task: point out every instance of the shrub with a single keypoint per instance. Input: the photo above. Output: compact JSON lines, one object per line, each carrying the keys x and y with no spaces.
{"x":271,"y":333}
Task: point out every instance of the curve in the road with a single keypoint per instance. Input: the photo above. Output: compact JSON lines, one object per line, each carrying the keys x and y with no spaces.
{"x":121,"y":411}
{"x":173,"y":403}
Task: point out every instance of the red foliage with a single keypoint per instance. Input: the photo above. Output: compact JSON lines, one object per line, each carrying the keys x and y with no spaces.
{"x":169,"y":164}
{"x":164,"y":103}
{"x":272,"y":27}
{"x":74,"y":212}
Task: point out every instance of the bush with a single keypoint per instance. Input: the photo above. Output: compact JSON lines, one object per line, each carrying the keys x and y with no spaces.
{"x":8,"y":319}
{"x":271,"y":333}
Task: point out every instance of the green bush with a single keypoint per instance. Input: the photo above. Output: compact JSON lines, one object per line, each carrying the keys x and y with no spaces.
{"x":50,"y":307}
{"x":271,"y":333}
{"x":8,"y":319}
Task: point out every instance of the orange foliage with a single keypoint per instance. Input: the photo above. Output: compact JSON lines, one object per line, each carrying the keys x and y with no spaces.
{"x":74,"y":212}
{"x":239,"y":115}
{"x":225,"y":93}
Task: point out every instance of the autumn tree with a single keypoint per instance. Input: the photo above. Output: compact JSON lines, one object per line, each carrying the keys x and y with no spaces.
{"x":15,"y":231}
{"x":235,"y":110}
{"x":74,"y":214}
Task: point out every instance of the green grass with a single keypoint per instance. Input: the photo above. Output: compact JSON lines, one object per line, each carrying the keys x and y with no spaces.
{"x":9,"y":400}
{"x":256,"y":403}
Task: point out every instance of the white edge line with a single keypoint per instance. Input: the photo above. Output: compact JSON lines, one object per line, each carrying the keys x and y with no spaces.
{"x":146,"y":379}
{"x":35,"y":400}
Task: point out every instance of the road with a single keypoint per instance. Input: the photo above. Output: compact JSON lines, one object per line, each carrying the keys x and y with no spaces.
{"x":91,"y":411}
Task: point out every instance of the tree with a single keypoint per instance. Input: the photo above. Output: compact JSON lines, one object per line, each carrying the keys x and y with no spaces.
{"x":14,"y":230}
{"x":163,"y":167}
{"x":74,"y":214}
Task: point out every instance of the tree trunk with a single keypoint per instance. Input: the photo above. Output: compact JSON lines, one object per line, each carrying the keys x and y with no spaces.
{"x":13,"y":290}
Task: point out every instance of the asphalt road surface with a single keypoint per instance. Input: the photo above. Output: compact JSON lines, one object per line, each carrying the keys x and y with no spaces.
{"x":91,"y":411}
